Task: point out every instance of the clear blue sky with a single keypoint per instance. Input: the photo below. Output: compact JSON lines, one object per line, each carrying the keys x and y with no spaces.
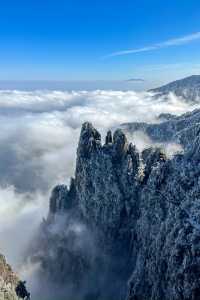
{"x":83,"y":40}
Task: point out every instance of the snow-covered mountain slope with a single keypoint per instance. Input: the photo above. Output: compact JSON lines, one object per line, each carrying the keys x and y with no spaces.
{"x":187,"y":88}
{"x":182,"y":129}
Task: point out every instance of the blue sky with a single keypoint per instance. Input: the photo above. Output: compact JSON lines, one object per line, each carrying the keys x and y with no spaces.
{"x":88,"y":40}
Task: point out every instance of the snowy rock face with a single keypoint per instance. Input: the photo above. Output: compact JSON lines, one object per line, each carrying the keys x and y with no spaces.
{"x":187,"y":88}
{"x":180,"y":129}
{"x":128,"y":227}
{"x":98,"y":169}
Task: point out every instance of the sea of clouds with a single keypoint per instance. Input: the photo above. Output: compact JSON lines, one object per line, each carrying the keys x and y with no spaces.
{"x":38,"y":140}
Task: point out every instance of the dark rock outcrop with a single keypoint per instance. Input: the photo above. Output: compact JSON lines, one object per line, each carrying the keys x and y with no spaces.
{"x":127,"y":217}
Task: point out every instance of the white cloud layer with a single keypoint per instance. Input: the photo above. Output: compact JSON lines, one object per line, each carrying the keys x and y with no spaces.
{"x":40,"y":130}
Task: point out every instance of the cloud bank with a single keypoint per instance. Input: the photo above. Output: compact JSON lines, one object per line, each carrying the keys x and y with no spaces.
{"x":40,"y":130}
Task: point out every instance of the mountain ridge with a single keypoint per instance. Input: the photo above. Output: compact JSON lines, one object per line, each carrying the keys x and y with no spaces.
{"x":179,"y":129}
{"x":187,"y":88}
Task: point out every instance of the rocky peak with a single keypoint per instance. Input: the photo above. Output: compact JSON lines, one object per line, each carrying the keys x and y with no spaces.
{"x":108,"y":139}
{"x":90,"y":139}
{"x":141,"y":213}
{"x":120,"y":143}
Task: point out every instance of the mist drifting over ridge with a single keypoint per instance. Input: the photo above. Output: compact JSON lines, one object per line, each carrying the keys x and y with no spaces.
{"x":41,"y":128}
{"x":99,"y":150}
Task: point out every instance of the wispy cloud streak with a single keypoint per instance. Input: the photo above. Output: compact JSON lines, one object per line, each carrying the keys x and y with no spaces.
{"x":169,"y":43}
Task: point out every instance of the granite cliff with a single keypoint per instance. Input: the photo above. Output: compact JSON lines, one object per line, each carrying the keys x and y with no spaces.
{"x":128,"y":226}
{"x":11,"y":288}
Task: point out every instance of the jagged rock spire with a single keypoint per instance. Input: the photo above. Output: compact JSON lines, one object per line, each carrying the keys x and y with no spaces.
{"x":90,"y":139}
{"x":135,"y":157}
{"x":120,"y":142}
{"x":108,"y":139}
